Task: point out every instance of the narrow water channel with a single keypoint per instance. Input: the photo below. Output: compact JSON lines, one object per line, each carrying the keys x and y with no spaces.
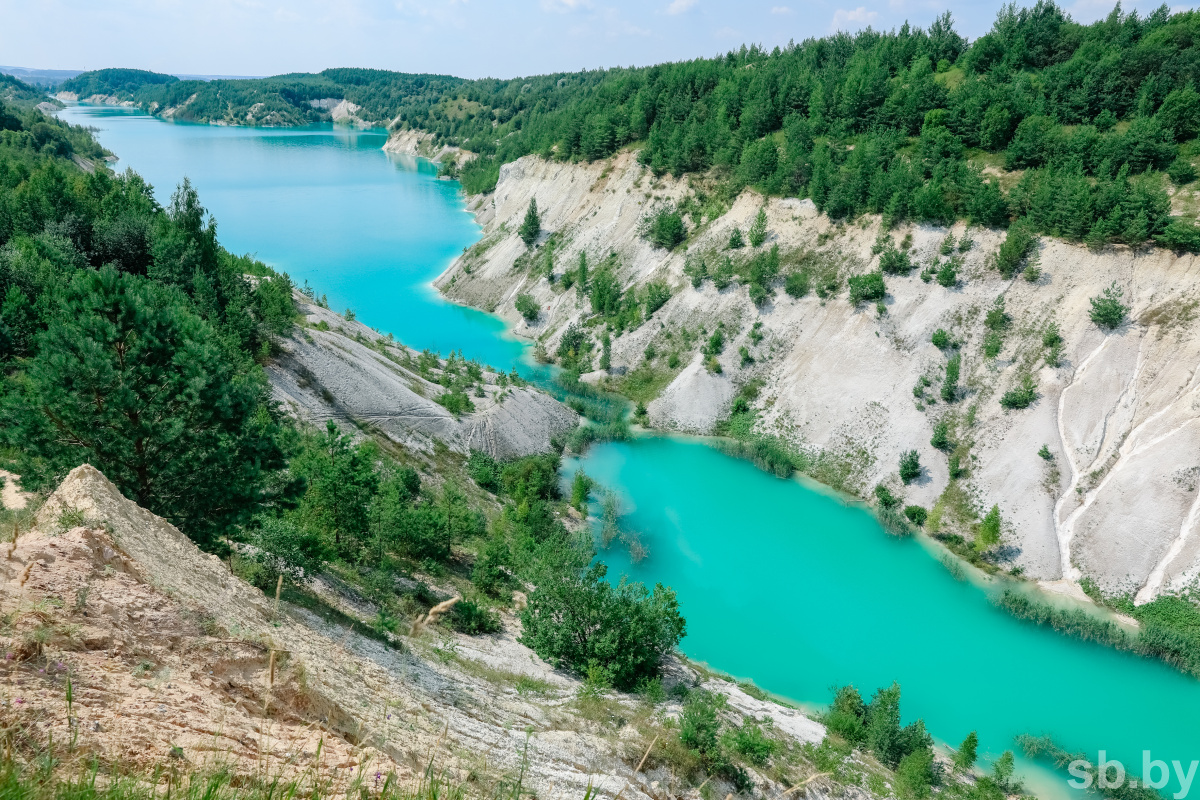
{"x":779,"y":582}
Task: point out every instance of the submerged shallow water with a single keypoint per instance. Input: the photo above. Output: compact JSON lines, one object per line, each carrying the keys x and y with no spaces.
{"x":780,"y":583}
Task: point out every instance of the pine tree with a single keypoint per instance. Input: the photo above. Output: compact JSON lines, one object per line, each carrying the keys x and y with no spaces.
{"x":965,"y":757}
{"x":758,"y":231}
{"x":130,"y":379}
{"x":532,"y":225}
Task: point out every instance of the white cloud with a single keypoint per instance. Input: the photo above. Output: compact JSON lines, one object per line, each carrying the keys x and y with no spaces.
{"x":780,"y":10}
{"x":680,"y":6}
{"x":847,"y":19}
{"x":565,"y":6}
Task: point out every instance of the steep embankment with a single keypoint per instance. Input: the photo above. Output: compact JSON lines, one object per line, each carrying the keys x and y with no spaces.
{"x":171,"y":659}
{"x":1118,"y":500}
{"x":332,"y":368}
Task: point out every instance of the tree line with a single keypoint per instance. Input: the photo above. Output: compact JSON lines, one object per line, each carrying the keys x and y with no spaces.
{"x":912,"y":123}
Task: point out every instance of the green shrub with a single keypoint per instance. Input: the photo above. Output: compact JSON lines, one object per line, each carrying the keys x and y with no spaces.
{"x":751,"y":743}
{"x":993,"y":343}
{"x":947,"y":274}
{"x":1045,"y":453}
{"x":796,"y":284}
{"x":941,"y":339}
{"x":885,"y":497}
{"x":997,"y":318}
{"x":657,"y":294}
{"x":1181,"y":171}
{"x":941,"y":436}
{"x":915,"y":776}
{"x":531,"y":226}
{"x":987,"y":533}
{"x":1107,"y":309}
{"x":1181,"y":235}
{"x":964,"y":757}
{"x":1022,"y":396}
{"x":484,"y":470}
{"x":950,"y":383}
{"x":895,"y":262}
{"x":527,"y":307}
{"x":735,"y":239}
{"x":664,"y":228}
{"x":696,"y":270}
{"x":456,"y":402}
{"x":578,"y":620}
{"x":916,"y":515}
{"x":866,"y":287}
{"x":758,"y":231}
{"x":910,"y":466}
{"x":1018,"y":244}
{"x":472,"y":619}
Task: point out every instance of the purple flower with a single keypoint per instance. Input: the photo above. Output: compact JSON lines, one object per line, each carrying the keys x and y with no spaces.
{"x":20,"y":700}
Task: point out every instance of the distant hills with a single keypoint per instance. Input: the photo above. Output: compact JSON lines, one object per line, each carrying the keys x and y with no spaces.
{"x":54,"y":78}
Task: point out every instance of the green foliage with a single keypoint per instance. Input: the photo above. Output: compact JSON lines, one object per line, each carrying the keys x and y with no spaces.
{"x":581,"y":487}
{"x":121,"y":83}
{"x":1107,"y":309}
{"x":916,"y":515}
{"x":1022,"y":396}
{"x":657,"y":294}
{"x":736,"y":242}
{"x":1018,"y":244}
{"x":885,"y":497}
{"x":910,"y":466}
{"x":941,"y":340}
{"x":531,"y":225}
{"x":797,"y":284}
{"x":950,"y":382}
{"x":987,"y":533}
{"x":527,"y":307}
{"x":578,"y":620}
{"x":915,"y":775}
{"x":751,"y":743}
{"x":1181,"y":172}
{"x":876,"y":725}
{"x":696,"y":270}
{"x":895,"y":262}
{"x":867,"y":287}
{"x":574,"y":348}
{"x":127,"y":377}
{"x":947,"y":274}
{"x":964,"y":757}
{"x":993,"y":343}
{"x":664,"y":228}
{"x":484,"y":470}
{"x":758,"y":231}
{"x":470,"y":618}
{"x":1045,"y":454}
{"x":456,"y":401}
{"x":997,"y":318}
{"x":941,"y":436}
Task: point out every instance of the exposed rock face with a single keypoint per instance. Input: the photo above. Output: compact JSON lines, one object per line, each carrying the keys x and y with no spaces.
{"x":169,"y":657}
{"x":350,"y":372}
{"x":1119,"y":501}
{"x":419,"y":143}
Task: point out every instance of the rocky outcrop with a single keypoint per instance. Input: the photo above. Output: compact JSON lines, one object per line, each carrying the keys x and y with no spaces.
{"x":331,"y":368}
{"x":1117,"y":502}
{"x":411,"y":142}
{"x":173,"y":660}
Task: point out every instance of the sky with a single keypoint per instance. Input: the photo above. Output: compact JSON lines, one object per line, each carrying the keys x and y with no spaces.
{"x":468,"y":38}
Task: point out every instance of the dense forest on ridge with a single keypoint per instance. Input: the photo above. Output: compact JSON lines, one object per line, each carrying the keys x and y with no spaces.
{"x":1074,"y":127}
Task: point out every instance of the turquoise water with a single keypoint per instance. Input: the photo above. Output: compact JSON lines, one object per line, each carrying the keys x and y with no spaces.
{"x":779,"y":583}
{"x":326,"y":205}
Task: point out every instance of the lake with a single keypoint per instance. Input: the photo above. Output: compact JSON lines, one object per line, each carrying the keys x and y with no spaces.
{"x":780,"y":582}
